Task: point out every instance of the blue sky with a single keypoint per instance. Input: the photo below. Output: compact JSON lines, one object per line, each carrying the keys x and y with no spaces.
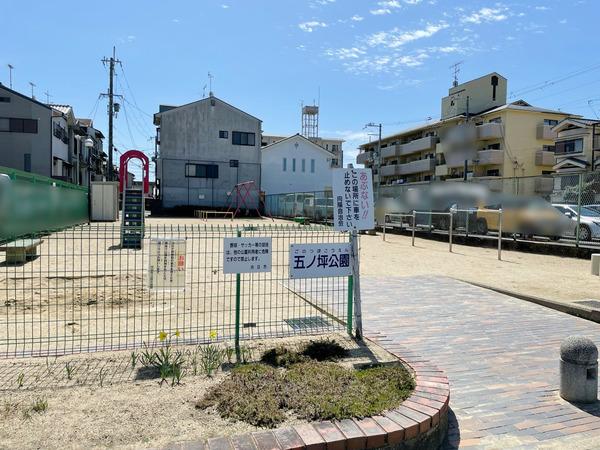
{"x":380,"y":61}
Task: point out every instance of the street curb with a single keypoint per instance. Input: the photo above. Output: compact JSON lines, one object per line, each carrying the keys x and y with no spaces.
{"x":573,"y":310}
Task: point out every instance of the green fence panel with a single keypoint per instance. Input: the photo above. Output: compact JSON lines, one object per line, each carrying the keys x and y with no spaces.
{"x":32,"y":203}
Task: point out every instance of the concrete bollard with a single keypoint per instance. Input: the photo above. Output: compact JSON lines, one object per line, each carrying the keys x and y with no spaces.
{"x":595,"y":263}
{"x":578,"y":370}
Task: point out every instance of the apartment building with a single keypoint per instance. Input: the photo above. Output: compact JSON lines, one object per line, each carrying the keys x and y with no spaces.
{"x":577,"y":145}
{"x":204,"y":149}
{"x":478,"y":132}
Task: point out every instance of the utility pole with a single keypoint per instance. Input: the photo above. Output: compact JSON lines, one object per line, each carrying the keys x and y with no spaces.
{"x":10,"y":69}
{"x":375,"y":125}
{"x":111,"y":109}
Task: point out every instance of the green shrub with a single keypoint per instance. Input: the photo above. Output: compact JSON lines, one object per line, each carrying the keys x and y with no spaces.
{"x":281,"y":357}
{"x":325,"y":350}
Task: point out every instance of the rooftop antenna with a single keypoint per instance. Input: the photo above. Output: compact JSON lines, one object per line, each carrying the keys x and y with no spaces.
{"x":210,"y":80}
{"x":204,"y":91}
{"x":47,"y":94}
{"x":10,"y":69}
{"x":32,"y":86}
{"x":456,"y":70}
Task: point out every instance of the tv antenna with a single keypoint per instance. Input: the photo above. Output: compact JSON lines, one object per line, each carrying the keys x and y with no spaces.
{"x":47,"y":94}
{"x":456,"y":70}
{"x":210,"y":80}
{"x":10,"y":69}
{"x":32,"y":86}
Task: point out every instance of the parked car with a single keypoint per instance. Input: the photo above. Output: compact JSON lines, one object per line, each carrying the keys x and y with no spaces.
{"x":524,"y":216}
{"x":589,"y":220}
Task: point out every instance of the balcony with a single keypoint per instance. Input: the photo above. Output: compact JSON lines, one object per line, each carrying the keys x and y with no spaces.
{"x":544,"y":158}
{"x":490,"y":157}
{"x":411,"y":147}
{"x":363,"y":157}
{"x":421,"y":165}
{"x":545,"y":132}
{"x":489,"y":130}
{"x":442,"y":170}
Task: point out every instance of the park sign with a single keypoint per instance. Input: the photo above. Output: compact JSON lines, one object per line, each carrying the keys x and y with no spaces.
{"x":353,"y":208}
{"x":247,"y":255}
{"x":320,"y":260}
{"x":167,"y":264}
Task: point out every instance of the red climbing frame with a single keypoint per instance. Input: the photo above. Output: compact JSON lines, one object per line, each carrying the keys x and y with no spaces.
{"x":124,"y":161}
{"x":243,"y":191}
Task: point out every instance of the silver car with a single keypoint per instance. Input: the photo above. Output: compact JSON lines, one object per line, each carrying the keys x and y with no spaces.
{"x":589,"y":221}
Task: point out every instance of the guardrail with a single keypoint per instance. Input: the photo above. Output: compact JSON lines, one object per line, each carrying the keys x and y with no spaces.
{"x":450,"y":215}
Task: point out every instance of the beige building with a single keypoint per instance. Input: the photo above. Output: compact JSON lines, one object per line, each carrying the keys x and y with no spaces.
{"x":478,"y":130}
{"x":577,"y":145}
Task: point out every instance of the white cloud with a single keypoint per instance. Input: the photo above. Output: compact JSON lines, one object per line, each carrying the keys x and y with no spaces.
{"x":542,"y":8}
{"x":380,"y":11}
{"x":345,"y":53}
{"x":563,"y":21}
{"x":225,"y":6}
{"x":175,"y":20}
{"x":309,"y":27}
{"x":396,"y":38}
{"x":356,"y":18}
{"x":486,"y":15}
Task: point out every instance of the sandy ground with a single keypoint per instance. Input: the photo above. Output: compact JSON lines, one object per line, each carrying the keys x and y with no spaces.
{"x":551,"y":277}
{"x":125,"y":412}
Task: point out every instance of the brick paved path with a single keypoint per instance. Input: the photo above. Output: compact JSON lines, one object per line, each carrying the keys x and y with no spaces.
{"x":501,"y":355}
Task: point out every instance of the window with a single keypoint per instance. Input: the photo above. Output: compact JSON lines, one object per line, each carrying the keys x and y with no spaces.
{"x":19,"y":125}
{"x":550,"y":122}
{"x":493,"y":147}
{"x":241,"y":138}
{"x":234,"y":163}
{"x":493,"y":173}
{"x":27,"y":162}
{"x":312,"y":166}
{"x":572,"y":146}
{"x":202,"y":170}
{"x":293,"y":164}
{"x":334,"y":147}
{"x":303,"y":165}
{"x":496,"y":120}
{"x":549,"y":148}
{"x":4,"y":99}
{"x":285,"y":164}
{"x":224,"y":134}
{"x":334,"y":162}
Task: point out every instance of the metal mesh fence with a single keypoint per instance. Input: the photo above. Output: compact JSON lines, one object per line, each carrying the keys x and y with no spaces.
{"x":82,"y":292}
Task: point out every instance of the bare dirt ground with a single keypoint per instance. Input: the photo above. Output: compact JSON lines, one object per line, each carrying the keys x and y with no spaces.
{"x":550,"y":277}
{"x":124,"y":412}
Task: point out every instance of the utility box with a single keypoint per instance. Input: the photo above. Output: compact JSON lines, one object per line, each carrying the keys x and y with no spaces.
{"x":105,"y":201}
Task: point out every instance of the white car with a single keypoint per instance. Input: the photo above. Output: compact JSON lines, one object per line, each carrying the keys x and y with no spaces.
{"x":589,"y":222}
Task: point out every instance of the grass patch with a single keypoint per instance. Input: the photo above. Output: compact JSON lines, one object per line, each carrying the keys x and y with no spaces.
{"x":265,"y":396}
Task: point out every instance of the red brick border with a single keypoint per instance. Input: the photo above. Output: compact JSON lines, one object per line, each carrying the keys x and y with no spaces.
{"x":425,"y":409}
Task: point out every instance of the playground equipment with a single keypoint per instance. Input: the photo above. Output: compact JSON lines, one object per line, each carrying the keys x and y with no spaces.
{"x":133,"y":211}
{"x":244,"y":194}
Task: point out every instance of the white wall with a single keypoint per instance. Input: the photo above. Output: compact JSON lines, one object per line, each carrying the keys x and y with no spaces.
{"x":277,"y":181}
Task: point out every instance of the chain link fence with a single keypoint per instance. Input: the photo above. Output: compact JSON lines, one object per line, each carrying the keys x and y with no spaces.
{"x":82,"y":292}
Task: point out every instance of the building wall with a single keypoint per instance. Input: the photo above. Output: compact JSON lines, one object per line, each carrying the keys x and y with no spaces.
{"x":14,"y":145}
{"x":190,"y":135}
{"x":276,"y":180}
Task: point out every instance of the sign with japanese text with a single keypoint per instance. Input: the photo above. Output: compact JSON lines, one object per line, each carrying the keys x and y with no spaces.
{"x":353,"y":207}
{"x":247,"y":255}
{"x":167,"y":264}
{"x":320,"y":260}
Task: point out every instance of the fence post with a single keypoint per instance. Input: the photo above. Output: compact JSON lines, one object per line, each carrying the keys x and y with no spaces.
{"x":467,"y":225}
{"x":350,"y":299}
{"x":500,"y":234}
{"x":356,"y":283}
{"x":450,"y":230}
{"x":238,"y":302}
{"x":414,"y":221}
{"x":580,"y":187}
{"x":384,"y":217}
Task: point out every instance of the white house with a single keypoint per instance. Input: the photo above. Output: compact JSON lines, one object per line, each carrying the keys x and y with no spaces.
{"x":296,"y":164}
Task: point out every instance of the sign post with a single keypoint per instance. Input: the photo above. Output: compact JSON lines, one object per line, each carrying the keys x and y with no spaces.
{"x":354,"y":211}
{"x":245,"y":255}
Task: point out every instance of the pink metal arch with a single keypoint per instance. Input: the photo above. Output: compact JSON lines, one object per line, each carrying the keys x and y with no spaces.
{"x":124,"y":161}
